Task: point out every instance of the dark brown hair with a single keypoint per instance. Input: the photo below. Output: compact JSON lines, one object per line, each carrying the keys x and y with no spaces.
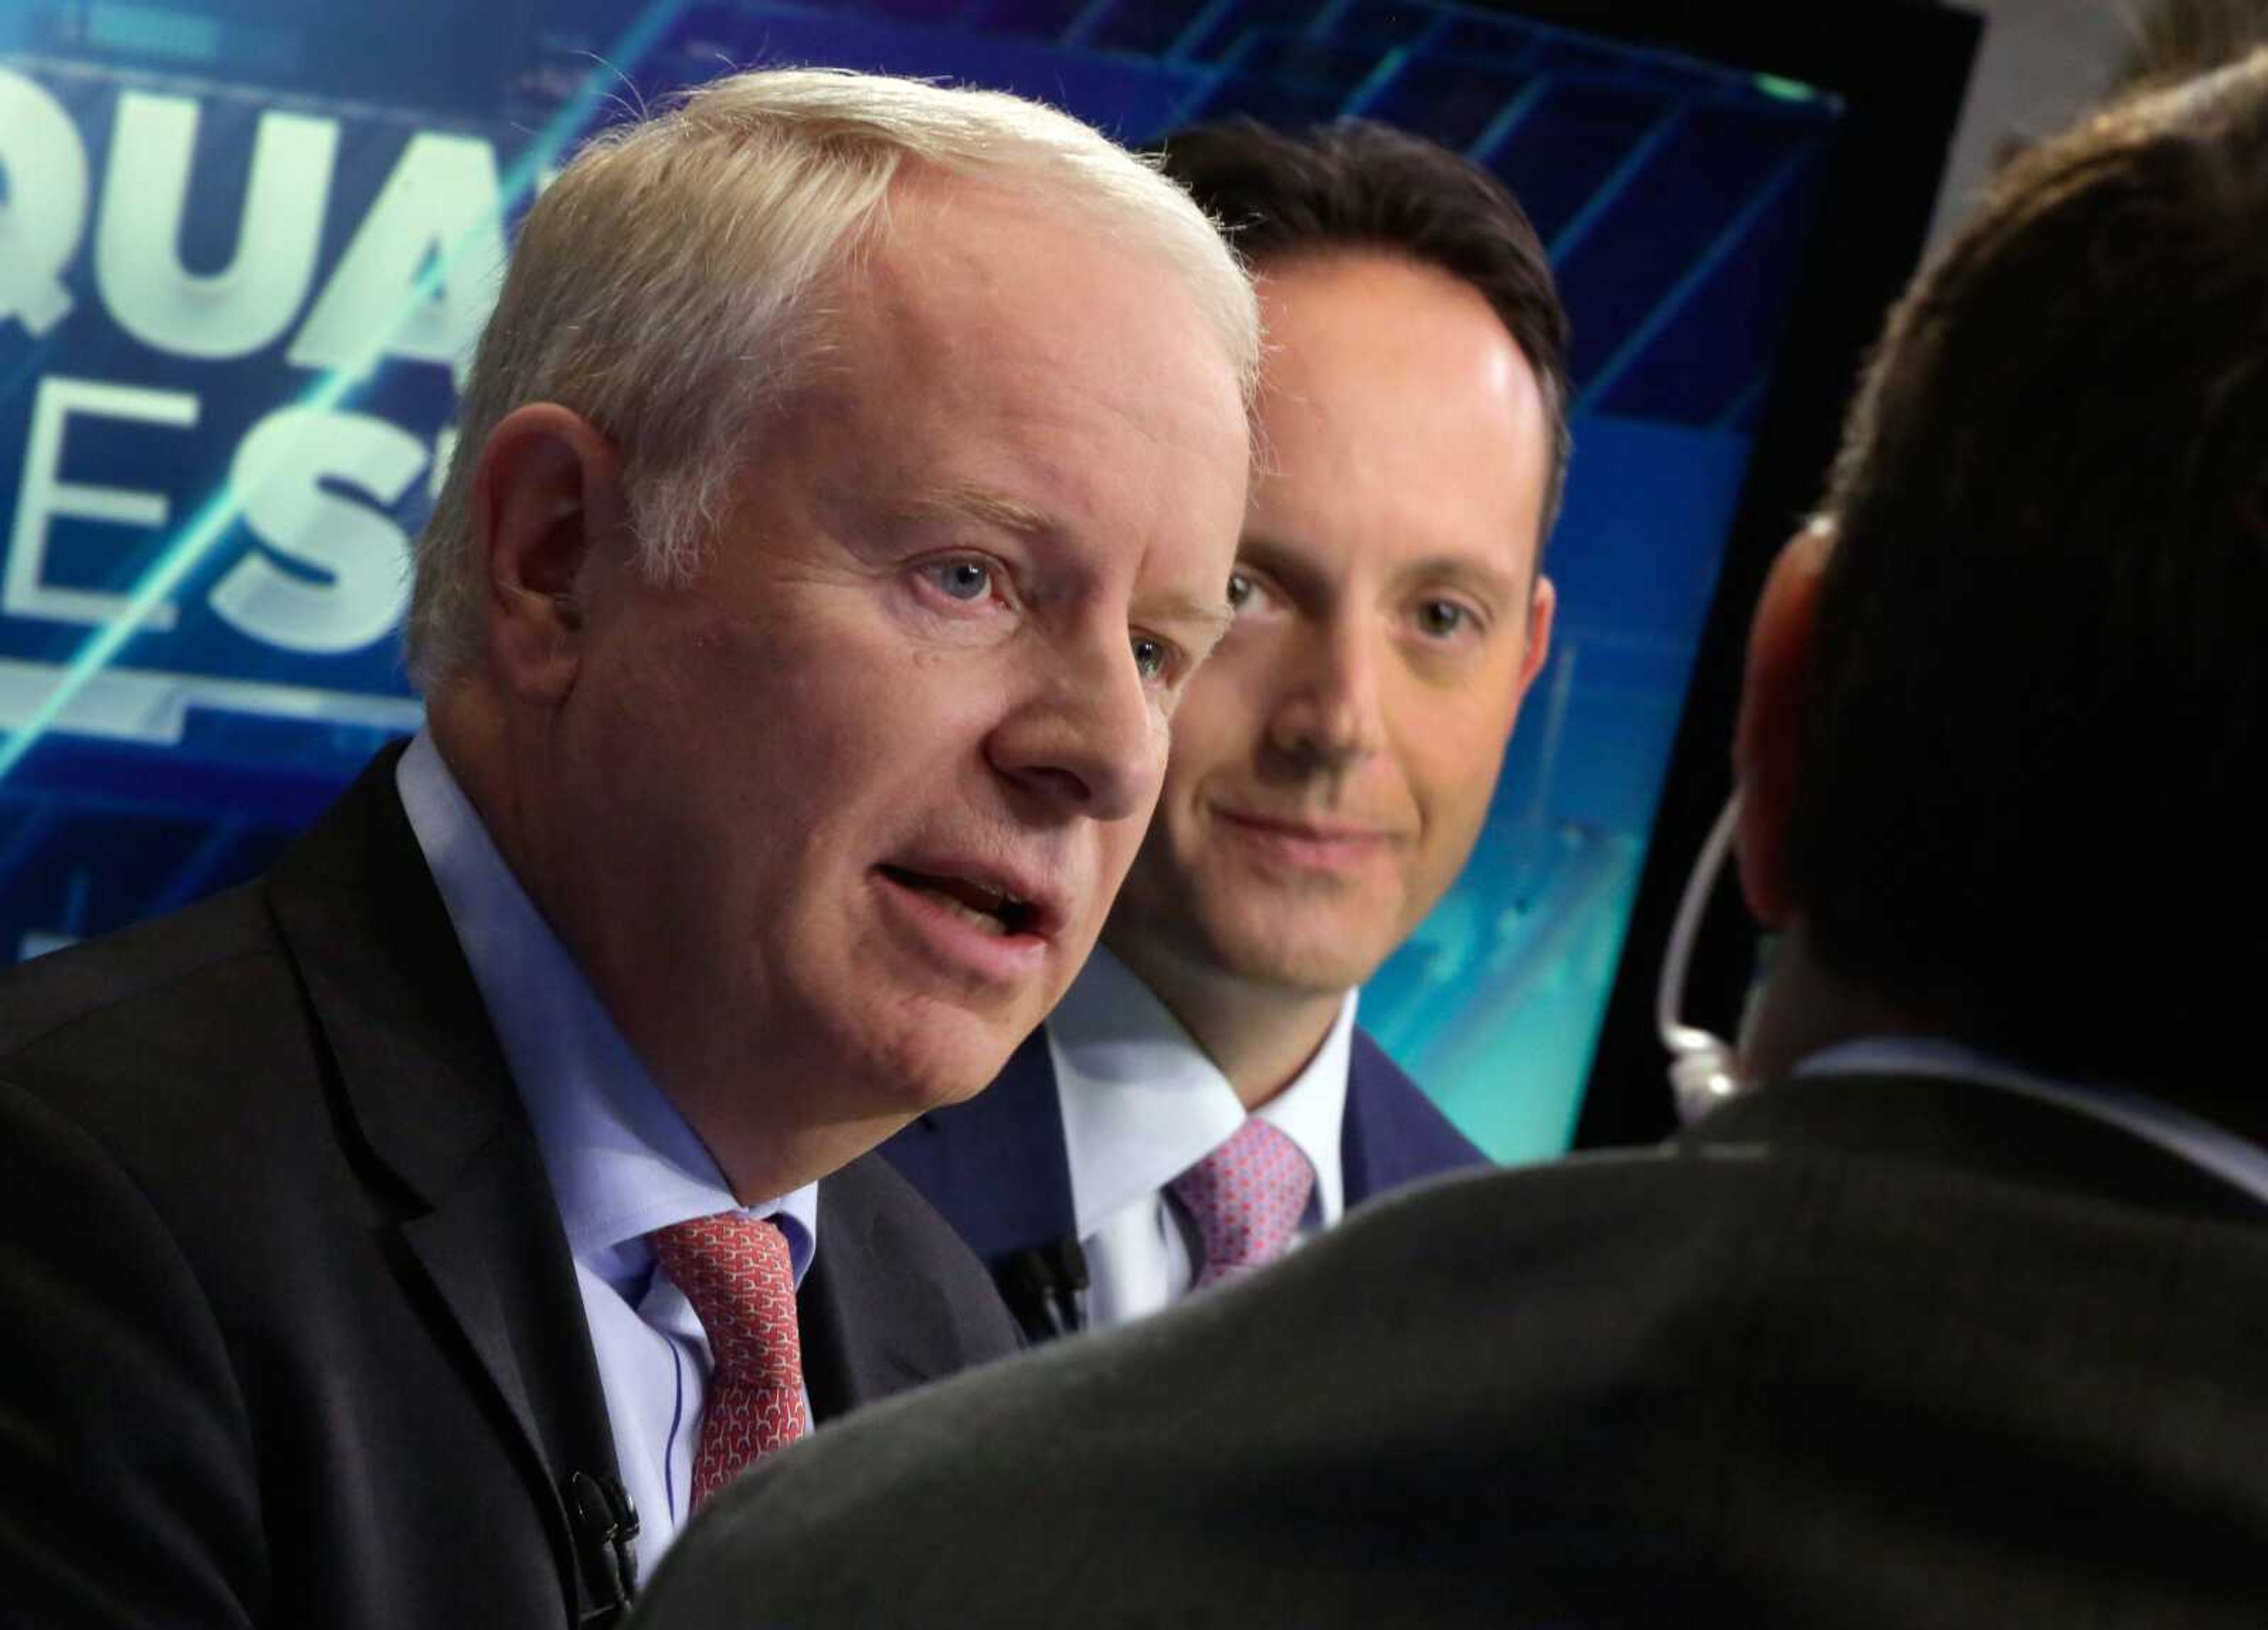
{"x":2030,"y":806}
{"x":1358,"y":185}
{"x":2176,"y":39}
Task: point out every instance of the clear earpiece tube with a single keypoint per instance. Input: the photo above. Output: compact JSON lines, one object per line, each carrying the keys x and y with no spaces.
{"x":1701,"y":1073}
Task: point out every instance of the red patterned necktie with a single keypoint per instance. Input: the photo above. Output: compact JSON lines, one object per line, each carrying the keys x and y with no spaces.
{"x":735,"y":1270}
{"x":1246,"y":1199}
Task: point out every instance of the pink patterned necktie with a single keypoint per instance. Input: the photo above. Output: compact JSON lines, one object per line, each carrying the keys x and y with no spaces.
{"x":735,"y":1270}
{"x":1246,"y":1199}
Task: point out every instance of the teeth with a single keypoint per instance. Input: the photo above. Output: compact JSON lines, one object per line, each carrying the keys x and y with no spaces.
{"x":967,"y":913}
{"x":995,"y":911}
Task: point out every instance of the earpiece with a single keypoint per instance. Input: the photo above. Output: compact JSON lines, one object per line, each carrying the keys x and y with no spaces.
{"x":1701,"y":1065}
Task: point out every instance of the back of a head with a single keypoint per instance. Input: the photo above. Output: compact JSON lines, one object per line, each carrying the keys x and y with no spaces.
{"x":2178,"y":39}
{"x":2030,"y":811}
{"x":1358,"y":185}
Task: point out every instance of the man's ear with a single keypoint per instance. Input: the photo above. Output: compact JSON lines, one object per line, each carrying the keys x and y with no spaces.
{"x":1543,"y":605}
{"x":1768,"y":745}
{"x":547,"y":501}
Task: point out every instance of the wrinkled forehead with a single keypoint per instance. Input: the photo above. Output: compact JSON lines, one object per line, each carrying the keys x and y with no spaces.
{"x":954,"y":271}
{"x":975,"y":302}
{"x":991,"y":367}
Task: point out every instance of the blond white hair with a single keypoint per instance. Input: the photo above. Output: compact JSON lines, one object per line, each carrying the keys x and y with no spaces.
{"x":664,"y":287}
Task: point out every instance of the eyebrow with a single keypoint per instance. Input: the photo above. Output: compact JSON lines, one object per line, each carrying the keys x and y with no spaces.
{"x":1283,"y":562}
{"x":1213,"y":617}
{"x":1297,"y":571}
{"x":1459,"y":570}
{"x":989,"y":509}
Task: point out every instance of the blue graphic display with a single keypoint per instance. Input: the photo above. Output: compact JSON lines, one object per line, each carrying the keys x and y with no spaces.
{"x":244,"y":246}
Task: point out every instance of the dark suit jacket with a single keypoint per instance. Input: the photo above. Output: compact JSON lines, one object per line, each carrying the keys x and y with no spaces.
{"x":291,"y":1334}
{"x":1857,"y":1354}
{"x":997,"y":1168}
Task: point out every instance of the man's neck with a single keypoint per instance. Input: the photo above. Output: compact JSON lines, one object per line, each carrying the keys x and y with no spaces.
{"x":1805,"y":1008}
{"x":763,"y":1162}
{"x":1260,"y":1037}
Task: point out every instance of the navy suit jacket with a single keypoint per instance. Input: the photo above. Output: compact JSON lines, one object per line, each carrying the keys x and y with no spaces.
{"x":997,"y":1168}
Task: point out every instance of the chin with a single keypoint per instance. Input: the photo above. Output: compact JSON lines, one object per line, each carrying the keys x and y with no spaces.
{"x":1316,"y":961}
{"x":947,"y":1057}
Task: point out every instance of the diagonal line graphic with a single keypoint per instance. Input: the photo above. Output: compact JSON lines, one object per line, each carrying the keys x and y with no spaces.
{"x":189,"y":549}
{"x":1596,"y":388}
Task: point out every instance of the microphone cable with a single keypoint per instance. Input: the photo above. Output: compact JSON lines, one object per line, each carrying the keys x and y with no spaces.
{"x":1701,"y":1069}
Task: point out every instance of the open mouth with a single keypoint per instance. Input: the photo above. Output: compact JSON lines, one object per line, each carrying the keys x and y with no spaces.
{"x":986,"y":908}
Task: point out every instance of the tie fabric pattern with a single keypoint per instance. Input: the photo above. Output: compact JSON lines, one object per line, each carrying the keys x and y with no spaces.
{"x":1246,"y":1199}
{"x":735,"y":1270}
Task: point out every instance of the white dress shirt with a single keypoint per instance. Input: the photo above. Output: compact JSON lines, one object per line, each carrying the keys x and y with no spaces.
{"x":622,"y":1161}
{"x":2235,"y":1160}
{"x":1141,"y":1103}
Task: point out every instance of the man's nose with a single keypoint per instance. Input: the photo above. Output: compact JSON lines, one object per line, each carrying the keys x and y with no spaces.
{"x":1329,"y":715}
{"x":1088,"y":740}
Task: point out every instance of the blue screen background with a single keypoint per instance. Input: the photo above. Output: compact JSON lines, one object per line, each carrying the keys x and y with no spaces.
{"x":241,"y":242}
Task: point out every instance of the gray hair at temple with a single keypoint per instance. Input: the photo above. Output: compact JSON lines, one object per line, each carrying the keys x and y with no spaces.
{"x":670,"y":287}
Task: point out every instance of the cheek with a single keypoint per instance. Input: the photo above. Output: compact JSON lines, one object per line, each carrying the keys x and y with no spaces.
{"x":776,"y":759}
{"x":1452,"y":773}
{"x":1117,"y":844}
{"x":1217,"y":725}
{"x":857,"y":702}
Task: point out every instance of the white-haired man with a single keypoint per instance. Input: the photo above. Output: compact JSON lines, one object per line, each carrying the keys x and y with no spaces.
{"x":416,"y":1236}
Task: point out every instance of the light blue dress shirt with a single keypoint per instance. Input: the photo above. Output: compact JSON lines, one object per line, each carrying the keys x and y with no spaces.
{"x":622,"y":1161}
{"x":2238,"y":1162}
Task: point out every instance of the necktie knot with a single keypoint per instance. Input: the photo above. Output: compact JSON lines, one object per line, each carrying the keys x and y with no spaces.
{"x":736,"y":1272}
{"x":1246,"y":1199}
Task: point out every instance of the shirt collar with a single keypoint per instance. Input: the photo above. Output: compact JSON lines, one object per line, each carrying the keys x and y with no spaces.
{"x":2235,"y":1160}
{"x":623,"y":1160}
{"x":1141,"y":1102}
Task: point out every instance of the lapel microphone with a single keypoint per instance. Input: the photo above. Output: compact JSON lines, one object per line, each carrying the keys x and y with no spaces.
{"x":1044,"y":1286}
{"x":605,"y":1524}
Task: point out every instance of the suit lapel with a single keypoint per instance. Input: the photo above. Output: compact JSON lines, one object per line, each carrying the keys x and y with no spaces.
{"x":996,"y":1164}
{"x":425,"y":1089}
{"x":1391,"y":1134}
{"x":1359,"y":1139}
{"x":483,"y":1252}
{"x":874,"y":1319}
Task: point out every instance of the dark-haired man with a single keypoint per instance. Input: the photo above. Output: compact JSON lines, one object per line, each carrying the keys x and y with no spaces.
{"x":1955,"y":1318}
{"x":1202,"y":1097}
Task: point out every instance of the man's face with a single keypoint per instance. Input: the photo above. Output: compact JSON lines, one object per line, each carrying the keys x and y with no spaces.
{"x":1333,"y":764}
{"x":846,"y":815}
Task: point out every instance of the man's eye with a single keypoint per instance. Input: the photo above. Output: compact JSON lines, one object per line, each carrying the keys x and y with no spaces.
{"x":967,"y":581}
{"x":1245,"y":592}
{"x":1151,"y":657}
{"x":1440,"y":618}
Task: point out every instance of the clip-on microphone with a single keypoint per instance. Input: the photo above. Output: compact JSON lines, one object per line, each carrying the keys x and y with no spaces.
{"x":1043,"y":1285}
